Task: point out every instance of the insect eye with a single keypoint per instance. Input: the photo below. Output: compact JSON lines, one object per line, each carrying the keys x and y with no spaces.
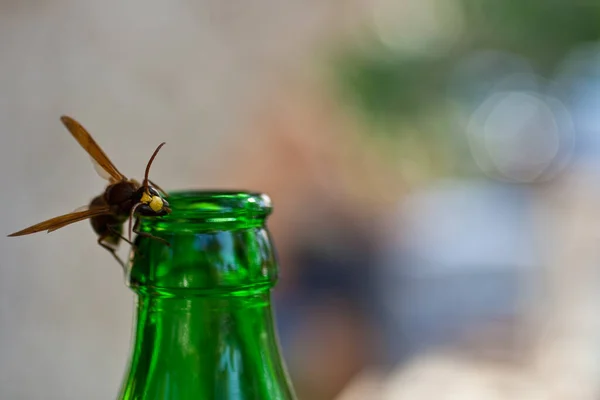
{"x":156,"y":204}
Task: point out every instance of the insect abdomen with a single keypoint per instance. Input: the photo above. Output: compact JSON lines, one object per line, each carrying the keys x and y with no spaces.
{"x":101,"y":223}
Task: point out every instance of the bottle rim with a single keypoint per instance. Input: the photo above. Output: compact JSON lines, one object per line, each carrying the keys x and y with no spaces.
{"x":210,"y":207}
{"x":207,"y":255}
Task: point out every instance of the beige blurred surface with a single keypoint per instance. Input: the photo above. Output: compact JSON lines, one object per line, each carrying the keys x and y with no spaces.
{"x":457,"y":165}
{"x":134,"y":74}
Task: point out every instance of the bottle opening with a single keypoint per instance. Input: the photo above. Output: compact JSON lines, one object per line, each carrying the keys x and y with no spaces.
{"x":215,"y":242}
{"x":212,"y":209}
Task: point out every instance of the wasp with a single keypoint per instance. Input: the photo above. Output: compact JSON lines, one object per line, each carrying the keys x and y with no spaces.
{"x":122,"y":199}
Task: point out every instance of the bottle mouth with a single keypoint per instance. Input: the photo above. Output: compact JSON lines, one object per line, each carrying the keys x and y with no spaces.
{"x":212,"y":209}
{"x":215,"y":243}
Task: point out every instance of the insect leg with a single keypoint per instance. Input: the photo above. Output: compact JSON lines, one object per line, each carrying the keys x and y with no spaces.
{"x":144,"y":234}
{"x":133,"y":246}
{"x":114,"y":231}
{"x":111,"y":250}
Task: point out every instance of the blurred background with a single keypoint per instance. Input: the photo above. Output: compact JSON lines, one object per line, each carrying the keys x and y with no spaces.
{"x":434,"y":166}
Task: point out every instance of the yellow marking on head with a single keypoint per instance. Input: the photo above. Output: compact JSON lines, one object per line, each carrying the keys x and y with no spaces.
{"x":156,"y":204}
{"x":146,"y":198}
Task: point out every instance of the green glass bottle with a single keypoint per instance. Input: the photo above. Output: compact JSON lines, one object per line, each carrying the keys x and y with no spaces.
{"x":204,"y":326}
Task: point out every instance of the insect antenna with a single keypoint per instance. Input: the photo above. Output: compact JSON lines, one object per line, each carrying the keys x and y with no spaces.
{"x":146,"y":187}
{"x":146,"y":180}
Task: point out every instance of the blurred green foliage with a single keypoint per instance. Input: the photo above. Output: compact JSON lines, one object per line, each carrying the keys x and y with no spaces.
{"x":388,"y":83}
{"x":390,"y":88}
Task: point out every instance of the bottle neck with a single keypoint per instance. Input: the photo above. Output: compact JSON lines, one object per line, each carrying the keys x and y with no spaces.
{"x":213,"y":347}
{"x":204,"y":325}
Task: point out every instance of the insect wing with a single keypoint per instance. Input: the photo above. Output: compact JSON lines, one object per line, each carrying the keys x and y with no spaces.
{"x":82,"y":208}
{"x":102,"y":163}
{"x":79,"y":210}
{"x":63,"y":220}
{"x":104,"y":174}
